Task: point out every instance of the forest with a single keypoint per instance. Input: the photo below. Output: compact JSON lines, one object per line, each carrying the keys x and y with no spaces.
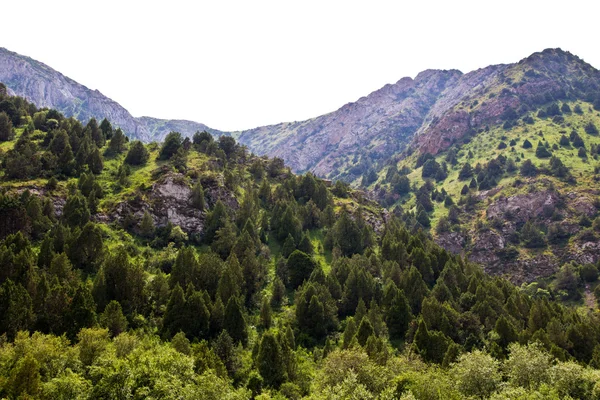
{"x":288,"y":286}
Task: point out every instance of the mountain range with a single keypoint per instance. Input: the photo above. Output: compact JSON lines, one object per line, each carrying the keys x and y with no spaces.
{"x":500,"y":164}
{"x":428,"y":113}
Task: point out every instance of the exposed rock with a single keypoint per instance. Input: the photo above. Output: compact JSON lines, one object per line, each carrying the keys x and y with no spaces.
{"x":454,"y":242}
{"x":380,"y":123}
{"x":169,"y":201}
{"x":523,"y":207}
{"x":46,"y":87}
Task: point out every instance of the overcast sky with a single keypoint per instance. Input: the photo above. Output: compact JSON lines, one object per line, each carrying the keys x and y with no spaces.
{"x":241,"y":64}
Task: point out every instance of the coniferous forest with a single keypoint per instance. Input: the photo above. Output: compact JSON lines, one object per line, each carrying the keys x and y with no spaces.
{"x":193,"y":269}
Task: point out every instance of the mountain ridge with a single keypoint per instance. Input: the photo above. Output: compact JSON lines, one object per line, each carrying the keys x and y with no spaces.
{"x":46,"y":87}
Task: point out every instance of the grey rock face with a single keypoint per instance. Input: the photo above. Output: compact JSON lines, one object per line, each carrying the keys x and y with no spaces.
{"x":46,"y":87}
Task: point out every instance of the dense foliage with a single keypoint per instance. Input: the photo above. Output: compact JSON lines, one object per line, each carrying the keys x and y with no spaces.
{"x":289,"y":289}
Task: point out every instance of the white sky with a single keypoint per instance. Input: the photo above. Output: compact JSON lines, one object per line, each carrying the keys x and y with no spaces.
{"x":241,"y":64}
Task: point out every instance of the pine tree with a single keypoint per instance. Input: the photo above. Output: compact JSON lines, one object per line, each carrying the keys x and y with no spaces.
{"x":288,"y":246}
{"x":347,"y":235}
{"x":278,"y":296}
{"x":300,"y":266}
{"x":171,"y":145}
{"x":147,"y":225}
{"x":6,"y":127}
{"x":397,"y":316}
{"x":234,"y":322}
{"x":117,"y":143}
{"x":349,"y":332}
{"x":217,"y":314}
{"x":197,"y":197}
{"x":76,"y":211}
{"x":466,"y":172}
{"x":137,"y":154}
{"x":198,"y":317}
{"x":113,"y":319}
{"x":175,"y":315}
{"x":265,"y":313}
{"x":16,"y":312}
{"x":82,"y":313}
{"x":270,"y":361}
{"x":365,"y":329}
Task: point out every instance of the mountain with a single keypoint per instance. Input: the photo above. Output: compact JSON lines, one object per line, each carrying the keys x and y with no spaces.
{"x":46,"y":87}
{"x":503,"y":93}
{"x":500,"y":163}
{"x":427,"y":114}
{"x":199,"y":270}
{"x":377,"y":126}
{"x":507,"y":170}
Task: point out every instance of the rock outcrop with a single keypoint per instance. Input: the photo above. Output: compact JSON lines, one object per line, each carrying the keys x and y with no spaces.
{"x":168,"y":201}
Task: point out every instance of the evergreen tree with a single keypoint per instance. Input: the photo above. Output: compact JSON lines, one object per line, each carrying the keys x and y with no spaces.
{"x":82,"y":313}
{"x":397,"y":316}
{"x":198,"y":316}
{"x":234,"y":322}
{"x":147,"y":225}
{"x":365,"y":330}
{"x":137,"y":154}
{"x":16,"y":311}
{"x":300,"y":266}
{"x":175,"y":314}
{"x":117,"y":143}
{"x":541,"y":151}
{"x":265,"y":313}
{"x":466,"y":172}
{"x":76,"y":211}
{"x":106,"y":129}
{"x":270,"y":361}
{"x":528,"y":168}
{"x":278,"y":295}
{"x":113,"y":319}
{"x":349,"y":332}
{"x":171,"y":145}
{"x":347,"y":235}
{"x":217,"y":314}
{"x":288,"y":246}
{"x":6,"y":127}
{"x":197,"y":197}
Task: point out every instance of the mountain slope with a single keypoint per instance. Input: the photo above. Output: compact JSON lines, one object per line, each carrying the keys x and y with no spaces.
{"x":506,"y":93}
{"x":508,"y":171}
{"x":431,"y":113}
{"x":379,"y":125}
{"x":46,"y":87}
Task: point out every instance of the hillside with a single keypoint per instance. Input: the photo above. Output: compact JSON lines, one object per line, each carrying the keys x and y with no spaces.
{"x":427,"y":114}
{"x":46,"y":87}
{"x":194,"y":269}
{"x":528,"y":168}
